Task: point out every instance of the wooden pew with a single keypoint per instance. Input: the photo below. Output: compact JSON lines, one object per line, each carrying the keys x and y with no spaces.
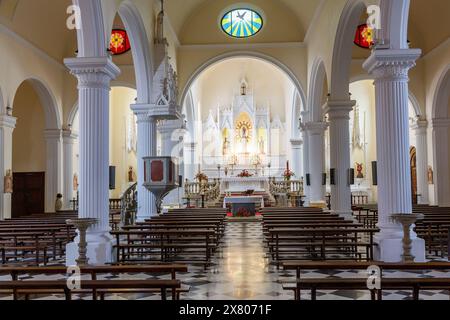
{"x":415,"y":284}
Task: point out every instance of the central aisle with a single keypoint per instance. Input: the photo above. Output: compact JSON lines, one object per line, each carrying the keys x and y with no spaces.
{"x":241,"y":270}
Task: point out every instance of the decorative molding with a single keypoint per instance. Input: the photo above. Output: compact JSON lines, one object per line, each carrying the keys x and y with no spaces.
{"x":7,"y":122}
{"x":95,"y":72}
{"x":339,"y":109}
{"x":392,"y":64}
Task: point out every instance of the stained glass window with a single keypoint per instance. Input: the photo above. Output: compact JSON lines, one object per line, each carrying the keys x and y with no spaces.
{"x":119,"y":43}
{"x":364,"y":36}
{"x":241,"y":23}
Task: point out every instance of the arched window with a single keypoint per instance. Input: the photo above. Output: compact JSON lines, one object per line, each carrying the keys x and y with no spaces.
{"x":241,"y":23}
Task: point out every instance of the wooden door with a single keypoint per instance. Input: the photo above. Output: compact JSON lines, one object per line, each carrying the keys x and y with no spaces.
{"x":28,"y":193}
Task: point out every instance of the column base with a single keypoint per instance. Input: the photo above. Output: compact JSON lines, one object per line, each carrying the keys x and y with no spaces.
{"x":391,"y":249}
{"x":100,"y":249}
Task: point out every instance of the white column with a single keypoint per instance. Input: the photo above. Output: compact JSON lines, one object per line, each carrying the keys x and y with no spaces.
{"x":53,"y":172}
{"x":297,"y":146}
{"x":305,"y":136}
{"x":190,"y":162}
{"x":7,"y":126}
{"x":390,"y":69}
{"x":339,"y":119}
{"x":146,"y":147}
{"x":441,"y":157}
{"x":69,"y":139}
{"x":316,"y":135}
{"x":420,"y":130}
{"x":94,"y":76}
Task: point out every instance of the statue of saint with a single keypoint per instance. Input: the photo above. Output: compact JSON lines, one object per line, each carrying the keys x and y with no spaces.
{"x":160,"y":25}
{"x":226,"y":146}
{"x":8,"y":182}
{"x":130,"y":174}
{"x":261,"y":145}
{"x":75,"y":182}
{"x":430,"y":175}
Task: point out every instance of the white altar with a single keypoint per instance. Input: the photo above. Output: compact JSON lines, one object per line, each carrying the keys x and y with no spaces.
{"x":259,"y":200}
{"x":237,"y":184}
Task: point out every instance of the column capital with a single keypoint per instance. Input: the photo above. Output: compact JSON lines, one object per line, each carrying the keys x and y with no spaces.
{"x":339,"y":109}
{"x":391,"y":64}
{"x":7,"y":121}
{"x":296,"y":143}
{"x":52,"y":134}
{"x":93,"y":72}
{"x":69,"y":136}
{"x":441,"y":123}
{"x":315,"y":128}
{"x":420,"y":127}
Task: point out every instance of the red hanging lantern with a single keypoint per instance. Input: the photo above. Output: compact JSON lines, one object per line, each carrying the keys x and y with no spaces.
{"x":364,"y":37}
{"x":119,"y":43}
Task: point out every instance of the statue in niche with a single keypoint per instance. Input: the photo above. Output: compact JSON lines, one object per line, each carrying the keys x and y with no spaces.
{"x":8,"y":182}
{"x":226,"y":146}
{"x":131,"y":174}
{"x":261,"y":145}
{"x":160,"y":25}
{"x":75,"y":182}
{"x":430,"y":175}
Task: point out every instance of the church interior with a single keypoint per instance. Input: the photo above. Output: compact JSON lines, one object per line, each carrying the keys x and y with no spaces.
{"x":224,"y":150}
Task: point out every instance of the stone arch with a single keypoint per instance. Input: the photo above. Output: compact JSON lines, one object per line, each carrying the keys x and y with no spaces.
{"x":139,"y":48}
{"x":315,"y":92}
{"x":243,"y":54}
{"x":53,"y":119}
{"x":342,"y":51}
{"x":441,"y":129}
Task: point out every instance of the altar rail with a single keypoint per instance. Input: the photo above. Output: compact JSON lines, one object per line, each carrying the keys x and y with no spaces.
{"x":210,"y":191}
{"x":287,"y":187}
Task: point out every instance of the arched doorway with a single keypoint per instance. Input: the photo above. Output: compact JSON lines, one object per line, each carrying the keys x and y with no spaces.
{"x":36,"y":149}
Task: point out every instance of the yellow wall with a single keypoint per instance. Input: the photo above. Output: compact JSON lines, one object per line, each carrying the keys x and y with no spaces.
{"x":121,"y":99}
{"x":29,"y":148}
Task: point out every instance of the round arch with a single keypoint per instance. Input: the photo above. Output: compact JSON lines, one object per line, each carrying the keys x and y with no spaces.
{"x":74,"y":111}
{"x":139,"y":49}
{"x":53,"y":119}
{"x":441,"y":95}
{"x":243,"y":54}
{"x":315,"y":93}
{"x":342,"y":50}
{"x":412,"y":97}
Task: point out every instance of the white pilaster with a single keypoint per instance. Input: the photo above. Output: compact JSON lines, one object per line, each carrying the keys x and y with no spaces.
{"x":53,"y":172}
{"x":307,"y":188}
{"x":190,"y":163}
{"x":297,"y":146}
{"x":339,"y":119}
{"x":7,"y":126}
{"x":69,"y":139}
{"x":94,"y":76}
{"x":316,"y":132}
{"x":390,"y":69}
{"x":441,"y":129}
{"x":420,"y":130}
{"x":146,"y":147}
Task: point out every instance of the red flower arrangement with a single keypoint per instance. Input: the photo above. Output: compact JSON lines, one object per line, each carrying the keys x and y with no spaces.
{"x":242,"y":212}
{"x":245,"y":174}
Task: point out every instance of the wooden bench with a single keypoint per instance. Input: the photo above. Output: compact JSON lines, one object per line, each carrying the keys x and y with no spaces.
{"x":415,"y":284}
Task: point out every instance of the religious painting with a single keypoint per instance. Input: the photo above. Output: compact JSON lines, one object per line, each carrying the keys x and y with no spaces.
{"x":359,"y":171}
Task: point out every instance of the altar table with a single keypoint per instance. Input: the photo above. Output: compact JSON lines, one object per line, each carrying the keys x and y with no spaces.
{"x":246,"y":204}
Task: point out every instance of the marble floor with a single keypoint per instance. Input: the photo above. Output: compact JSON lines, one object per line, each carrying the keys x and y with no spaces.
{"x":242,"y":271}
